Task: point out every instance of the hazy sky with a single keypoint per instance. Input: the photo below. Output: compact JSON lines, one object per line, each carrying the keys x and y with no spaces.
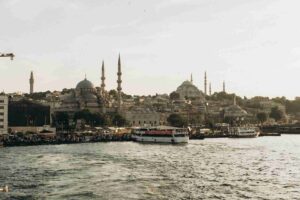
{"x":254,"y":45}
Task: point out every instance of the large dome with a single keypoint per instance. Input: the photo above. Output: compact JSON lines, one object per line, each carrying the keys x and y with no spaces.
{"x":188,"y":90}
{"x":186,"y":83}
{"x":85,"y":84}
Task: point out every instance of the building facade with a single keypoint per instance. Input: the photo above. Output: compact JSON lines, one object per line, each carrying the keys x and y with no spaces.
{"x":145,"y":118}
{"x":3,"y":114}
{"x":28,"y":113}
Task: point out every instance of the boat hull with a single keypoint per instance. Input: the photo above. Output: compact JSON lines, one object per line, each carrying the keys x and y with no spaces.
{"x":173,"y":140}
{"x":244,"y":136}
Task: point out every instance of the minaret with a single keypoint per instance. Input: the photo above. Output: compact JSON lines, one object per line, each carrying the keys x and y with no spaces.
{"x":224,"y":90}
{"x":102,"y":79}
{"x":119,"y":81}
{"x":209,"y":88}
{"x":205,"y":83}
{"x":31,"y":82}
{"x":191,"y":78}
{"x":234,"y":100}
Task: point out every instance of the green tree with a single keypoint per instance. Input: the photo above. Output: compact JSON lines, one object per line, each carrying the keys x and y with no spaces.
{"x":83,"y":114}
{"x":113,"y":93}
{"x":177,"y":120}
{"x":61,"y":119}
{"x":276,"y":113}
{"x":281,"y":100}
{"x":37,"y":95}
{"x":262,"y":117}
{"x":293,"y":106}
{"x":92,"y":119}
{"x":100,"y":120}
{"x":174,"y":96}
{"x":118,"y":120}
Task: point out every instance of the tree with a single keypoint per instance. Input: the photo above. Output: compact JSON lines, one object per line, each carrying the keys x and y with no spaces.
{"x":293,"y":106}
{"x":118,"y":120}
{"x":281,"y":100}
{"x":113,"y":93}
{"x":93,"y":119}
{"x":262,"y":117}
{"x":99,"y":119}
{"x":276,"y":113}
{"x":83,"y":114}
{"x":177,"y":120}
{"x":174,"y":96}
{"x":61,"y":119}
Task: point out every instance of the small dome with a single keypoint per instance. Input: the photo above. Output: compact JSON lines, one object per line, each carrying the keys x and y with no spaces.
{"x":89,"y":96}
{"x":235,"y":111}
{"x":85,"y":84}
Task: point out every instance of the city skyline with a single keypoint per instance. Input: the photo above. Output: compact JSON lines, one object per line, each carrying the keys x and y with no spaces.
{"x":253,"y":46}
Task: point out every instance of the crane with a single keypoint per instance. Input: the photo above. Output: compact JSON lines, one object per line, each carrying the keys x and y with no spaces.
{"x":11,"y":55}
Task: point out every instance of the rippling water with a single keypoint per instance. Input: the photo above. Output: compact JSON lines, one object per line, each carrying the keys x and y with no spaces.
{"x":260,"y":168}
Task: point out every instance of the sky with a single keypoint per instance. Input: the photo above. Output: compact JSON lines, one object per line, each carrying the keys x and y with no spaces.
{"x":254,"y":45}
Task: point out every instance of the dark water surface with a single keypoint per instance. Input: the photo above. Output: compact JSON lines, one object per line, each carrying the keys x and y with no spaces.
{"x":260,"y":168}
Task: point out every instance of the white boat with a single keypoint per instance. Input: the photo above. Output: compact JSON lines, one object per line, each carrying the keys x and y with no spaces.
{"x":161,"y":134}
{"x":243,"y":132}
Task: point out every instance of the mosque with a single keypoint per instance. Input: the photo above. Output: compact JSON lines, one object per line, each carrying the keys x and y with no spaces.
{"x":187,"y":90}
{"x":87,"y":96}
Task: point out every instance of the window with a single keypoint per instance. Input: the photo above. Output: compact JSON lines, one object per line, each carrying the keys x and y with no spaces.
{"x":1,"y":101}
{"x":1,"y":107}
{"x":1,"y":120}
{"x":1,"y":113}
{"x":1,"y":126}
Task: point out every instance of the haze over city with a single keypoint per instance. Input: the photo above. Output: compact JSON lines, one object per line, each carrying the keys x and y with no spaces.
{"x":253,"y":45}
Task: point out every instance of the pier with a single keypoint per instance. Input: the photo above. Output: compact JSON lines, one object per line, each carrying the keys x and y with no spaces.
{"x":63,"y":138}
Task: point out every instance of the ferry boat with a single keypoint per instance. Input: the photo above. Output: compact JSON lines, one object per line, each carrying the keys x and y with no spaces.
{"x":161,"y":134}
{"x":243,"y":132}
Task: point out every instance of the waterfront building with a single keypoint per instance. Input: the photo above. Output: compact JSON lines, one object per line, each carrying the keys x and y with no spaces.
{"x":145,"y":117}
{"x":27,"y":113}
{"x":31,"y":83}
{"x":3,"y":114}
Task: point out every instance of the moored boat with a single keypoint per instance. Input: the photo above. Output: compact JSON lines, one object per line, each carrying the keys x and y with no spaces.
{"x":243,"y":132}
{"x":161,"y":134}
